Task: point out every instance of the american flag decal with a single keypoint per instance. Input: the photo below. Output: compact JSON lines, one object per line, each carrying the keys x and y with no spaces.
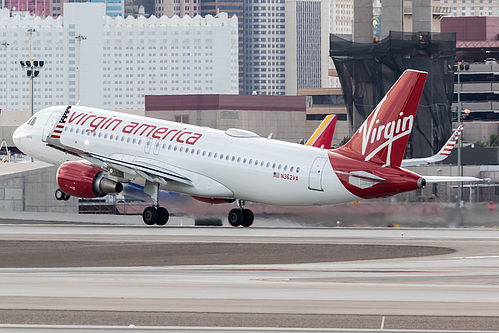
{"x":56,"y":133}
{"x":276,"y":175}
{"x":450,"y":144}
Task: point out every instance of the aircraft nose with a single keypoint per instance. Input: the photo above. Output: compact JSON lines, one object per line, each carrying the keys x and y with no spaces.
{"x":19,"y":136}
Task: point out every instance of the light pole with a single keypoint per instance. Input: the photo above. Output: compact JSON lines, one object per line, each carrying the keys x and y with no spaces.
{"x":80,"y":37}
{"x":30,"y":31}
{"x":461,"y":65}
{"x":460,"y":186}
{"x":6,"y":74}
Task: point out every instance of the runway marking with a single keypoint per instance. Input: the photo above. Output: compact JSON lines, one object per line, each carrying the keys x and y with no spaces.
{"x":475,"y":257}
{"x":314,"y":270}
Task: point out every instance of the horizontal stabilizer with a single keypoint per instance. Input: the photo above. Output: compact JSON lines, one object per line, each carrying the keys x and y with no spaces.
{"x":449,"y":179}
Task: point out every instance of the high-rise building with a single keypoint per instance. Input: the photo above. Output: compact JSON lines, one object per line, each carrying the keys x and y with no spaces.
{"x":133,"y":8}
{"x":265,"y":48}
{"x":42,"y":8}
{"x":178,"y":7}
{"x":113,"y":7}
{"x":119,"y":62}
{"x":307,"y":44}
{"x":231,"y":7}
{"x":472,"y":7}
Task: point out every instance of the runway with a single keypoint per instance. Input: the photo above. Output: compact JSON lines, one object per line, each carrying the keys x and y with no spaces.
{"x":74,"y":273}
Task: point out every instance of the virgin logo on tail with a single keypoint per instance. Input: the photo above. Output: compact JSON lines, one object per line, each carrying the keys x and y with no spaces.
{"x":382,"y":138}
{"x":386,"y":133}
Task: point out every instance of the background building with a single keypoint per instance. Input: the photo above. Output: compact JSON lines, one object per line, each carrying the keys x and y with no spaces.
{"x":282,"y":116}
{"x":178,"y":7}
{"x":231,"y":7}
{"x":121,"y":60}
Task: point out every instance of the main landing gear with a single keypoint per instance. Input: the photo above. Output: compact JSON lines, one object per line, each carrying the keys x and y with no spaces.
{"x":59,"y":195}
{"x":240,"y":216}
{"x":155,"y":214}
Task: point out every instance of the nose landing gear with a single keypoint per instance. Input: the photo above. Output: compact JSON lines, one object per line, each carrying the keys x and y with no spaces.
{"x":60,"y":195}
{"x":240,"y":216}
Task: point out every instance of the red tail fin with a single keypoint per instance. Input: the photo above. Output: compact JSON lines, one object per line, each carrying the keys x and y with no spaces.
{"x":323,"y":135}
{"x":382,"y":138}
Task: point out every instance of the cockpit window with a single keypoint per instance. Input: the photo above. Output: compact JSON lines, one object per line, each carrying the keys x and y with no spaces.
{"x":32,"y":121}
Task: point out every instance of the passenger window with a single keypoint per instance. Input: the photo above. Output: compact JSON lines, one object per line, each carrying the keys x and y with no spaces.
{"x":297,"y":170}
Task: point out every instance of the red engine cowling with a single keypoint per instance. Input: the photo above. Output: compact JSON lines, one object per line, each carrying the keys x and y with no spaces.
{"x":85,"y":181}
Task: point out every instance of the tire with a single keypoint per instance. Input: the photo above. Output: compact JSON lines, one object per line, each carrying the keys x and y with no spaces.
{"x":150,"y":216}
{"x":59,"y":195}
{"x":235,"y":217}
{"x":248,"y":218}
{"x":66,"y":197}
{"x":163,"y":216}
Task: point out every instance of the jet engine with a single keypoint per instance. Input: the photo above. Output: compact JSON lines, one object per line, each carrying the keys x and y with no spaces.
{"x":85,"y":181}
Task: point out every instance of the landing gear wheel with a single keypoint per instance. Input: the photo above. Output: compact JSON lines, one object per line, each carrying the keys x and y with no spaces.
{"x":66,"y":197}
{"x":235,"y":217}
{"x":248,"y":218}
{"x":163,"y":216}
{"x":60,"y":195}
{"x":150,"y":216}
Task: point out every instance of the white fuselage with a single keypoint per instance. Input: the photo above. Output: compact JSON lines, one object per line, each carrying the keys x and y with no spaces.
{"x":231,"y":164}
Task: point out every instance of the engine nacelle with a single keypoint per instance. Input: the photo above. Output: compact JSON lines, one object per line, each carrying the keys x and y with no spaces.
{"x":85,"y":181}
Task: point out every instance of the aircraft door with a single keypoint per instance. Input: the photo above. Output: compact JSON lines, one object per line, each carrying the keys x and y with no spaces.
{"x":49,"y":125}
{"x":157,"y":145}
{"x":315,"y":175}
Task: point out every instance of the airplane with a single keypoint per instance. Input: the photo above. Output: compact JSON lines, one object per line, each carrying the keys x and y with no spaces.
{"x":99,"y":150}
{"x":438,"y":157}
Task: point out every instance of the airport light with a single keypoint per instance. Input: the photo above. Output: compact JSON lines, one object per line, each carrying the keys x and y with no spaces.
{"x":32,"y":68}
{"x":80,"y":37}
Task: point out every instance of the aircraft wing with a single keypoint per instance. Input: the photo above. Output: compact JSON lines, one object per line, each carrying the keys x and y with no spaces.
{"x":131,"y":166}
{"x":440,"y":156}
{"x":128,"y":166}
